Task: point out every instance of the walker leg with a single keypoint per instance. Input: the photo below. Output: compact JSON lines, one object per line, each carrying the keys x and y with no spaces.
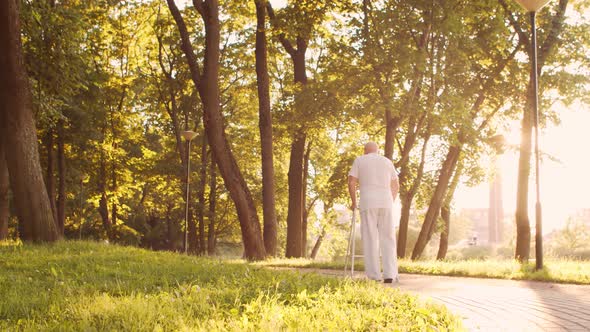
{"x":353,"y":244}
{"x":347,"y":256}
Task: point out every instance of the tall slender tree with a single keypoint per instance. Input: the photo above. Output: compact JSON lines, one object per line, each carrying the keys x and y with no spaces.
{"x":266,"y":136}
{"x":207,"y":83}
{"x":556,"y":23}
{"x":4,"y":198}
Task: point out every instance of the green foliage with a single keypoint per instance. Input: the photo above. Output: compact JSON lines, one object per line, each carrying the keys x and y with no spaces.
{"x":112,"y":71}
{"x":94,"y":286}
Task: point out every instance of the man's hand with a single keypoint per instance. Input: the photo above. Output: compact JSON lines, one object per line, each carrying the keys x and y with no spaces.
{"x":353,"y":205}
{"x":394,"y":188}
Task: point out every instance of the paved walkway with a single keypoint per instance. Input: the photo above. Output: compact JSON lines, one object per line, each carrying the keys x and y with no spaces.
{"x":504,"y":305}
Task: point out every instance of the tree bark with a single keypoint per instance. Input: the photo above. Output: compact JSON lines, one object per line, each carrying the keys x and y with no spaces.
{"x":390,"y":128}
{"x":445,"y":213}
{"x":17,"y":126}
{"x":115,"y":145}
{"x":295,"y":210}
{"x":443,"y":246}
{"x":433,"y":211}
{"x":304,"y":201}
{"x":208,"y":86}
{"x":193,"y":239}
{"x":407,"y":194}
{"x":61,"y":172}
{"x":318,"y":243}
{"x":169,"y":231}
{"x":295,"y":174}
{"x":50,"y":172}
{"x":50,"y":175}
{"x":523,"y":228}
{"x":4,"y":197}
{"x":103,"y":204}
{"x":172,"y":109}
{"x":211,"y":238}
{"x":266,"y":135}
{"x":201,"y":191}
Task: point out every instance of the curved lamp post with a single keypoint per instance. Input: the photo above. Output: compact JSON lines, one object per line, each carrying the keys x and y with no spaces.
{"x":188,"y":136}
{"x":532,"y":6}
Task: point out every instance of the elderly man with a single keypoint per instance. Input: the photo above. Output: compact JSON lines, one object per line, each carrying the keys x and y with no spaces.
{"x":379,"y":186}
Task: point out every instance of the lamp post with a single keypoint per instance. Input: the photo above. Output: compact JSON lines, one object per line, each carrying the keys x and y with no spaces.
{"x":188,"y":136}
{"x":532,"y":6}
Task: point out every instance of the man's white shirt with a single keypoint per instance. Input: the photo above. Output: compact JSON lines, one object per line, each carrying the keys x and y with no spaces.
{"x":374,"y":173}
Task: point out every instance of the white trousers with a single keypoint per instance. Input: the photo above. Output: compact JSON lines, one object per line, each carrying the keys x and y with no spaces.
{"x":377,"y":232}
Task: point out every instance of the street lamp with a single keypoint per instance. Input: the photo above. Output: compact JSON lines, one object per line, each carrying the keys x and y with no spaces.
{"x":532,"y":6}
{"x":188,"y":136}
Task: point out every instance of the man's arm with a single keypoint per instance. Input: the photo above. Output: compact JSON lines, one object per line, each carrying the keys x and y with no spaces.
{"x":394,"y":188}
{"x":352,"y":183}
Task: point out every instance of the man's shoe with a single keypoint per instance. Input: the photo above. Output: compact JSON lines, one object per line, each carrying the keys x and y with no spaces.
{"x":388,"y":281}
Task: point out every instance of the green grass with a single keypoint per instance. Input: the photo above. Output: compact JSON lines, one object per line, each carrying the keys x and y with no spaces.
{"x":561,"y":271}
{"x":98,"y":287}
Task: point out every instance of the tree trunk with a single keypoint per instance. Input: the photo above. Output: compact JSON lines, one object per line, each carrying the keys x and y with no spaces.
{"x":433,"y":211}
{"x":296,"y":186}
{"x":523,"y":228}
{"x":295,"y":210}
{"x":4,"y":197}
{"x":169,"y":230}
{"x":50,"y":175}
{"x":265,"y":126}
{"x":445,"y":213}
{"x":211,"y":238}
{"x":208,"y":87}
{"x":318,"y":243}
{"x":17,"y":127}
{"x":296,"y":190}
{"x":390,"y":129}
{"x":404,"y":221}
{"x":193,"y":239}
{"x":407,"y":194}
{"x":443,"y":246}
{"x":201,"y":190}
{"x":304,"y":202}
{"x":61,"y":172}
{"x":103,"y":204}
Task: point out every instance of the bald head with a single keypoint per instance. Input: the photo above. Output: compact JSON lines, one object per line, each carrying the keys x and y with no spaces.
{"x":371,"y":147}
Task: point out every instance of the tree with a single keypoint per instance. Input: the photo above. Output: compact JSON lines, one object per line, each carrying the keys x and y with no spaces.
{"x":445,"y":213}
{"x":178,"y":101}
{"x":477,"y":100}
{"x":207,"y":83}
{"x":211,"y":236}
{"x":4,"y":198}
{"x":19,"y":134}
{"x":266,"y":136}
{"x":305,"y":17}
{"x":556,"y":23}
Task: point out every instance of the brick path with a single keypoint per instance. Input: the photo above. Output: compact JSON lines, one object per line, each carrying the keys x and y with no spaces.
{"x":504,"y":305}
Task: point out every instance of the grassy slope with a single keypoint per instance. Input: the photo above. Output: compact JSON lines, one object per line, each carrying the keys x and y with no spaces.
{"x":561,"y":271}
{"x":92,"y":286}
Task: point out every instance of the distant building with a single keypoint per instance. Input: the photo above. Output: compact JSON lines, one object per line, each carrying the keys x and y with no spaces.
{"x":487,"y":222}
{"x":496,"y":207}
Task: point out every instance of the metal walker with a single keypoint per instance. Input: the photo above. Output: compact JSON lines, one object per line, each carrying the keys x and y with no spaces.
{"x":350,"y":250}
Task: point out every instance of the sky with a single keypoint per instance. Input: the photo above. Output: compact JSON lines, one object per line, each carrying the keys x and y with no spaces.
{"x":564,"y":185}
